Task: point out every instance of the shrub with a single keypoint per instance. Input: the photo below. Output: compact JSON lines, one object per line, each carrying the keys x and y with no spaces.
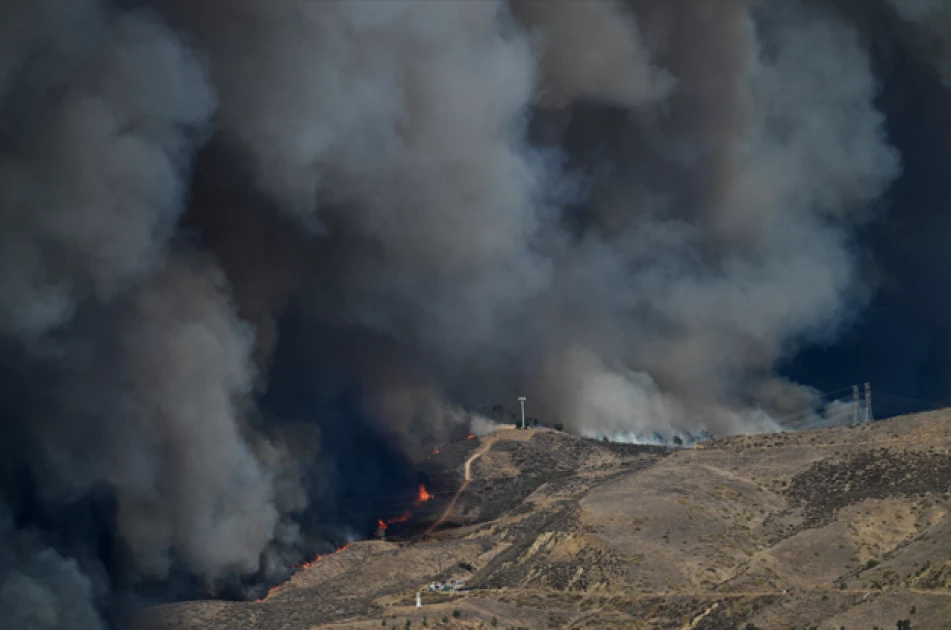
{"x":678,"y":440}
{"x":871,"y":564}
{"x":559,"y":427}
{"x":456,"y":613}
{"x":445,"y":619}
{"x":495,"y":622}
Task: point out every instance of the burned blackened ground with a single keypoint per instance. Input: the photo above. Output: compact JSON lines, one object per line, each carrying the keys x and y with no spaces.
{"x":444,"y":465}
{"x":559,"y":451}
{"x":517,"y":468}
{"x":829,"y":486}
{"x":547,"y":540}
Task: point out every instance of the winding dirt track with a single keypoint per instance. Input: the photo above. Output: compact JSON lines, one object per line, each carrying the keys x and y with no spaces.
{"x":486,"y":445}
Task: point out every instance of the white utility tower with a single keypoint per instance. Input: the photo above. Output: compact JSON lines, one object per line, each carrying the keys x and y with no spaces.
{"x":868,"y":402}
{"x":521,"y":399}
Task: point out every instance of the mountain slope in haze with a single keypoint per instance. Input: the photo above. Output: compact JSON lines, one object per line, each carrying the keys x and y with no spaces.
{"x":846,"y":526}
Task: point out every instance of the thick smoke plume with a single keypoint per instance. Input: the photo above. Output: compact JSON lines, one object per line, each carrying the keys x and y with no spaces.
{"x":259,"y":255}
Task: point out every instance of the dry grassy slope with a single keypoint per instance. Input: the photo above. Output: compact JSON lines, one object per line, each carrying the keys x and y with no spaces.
{"x":846,"y":526}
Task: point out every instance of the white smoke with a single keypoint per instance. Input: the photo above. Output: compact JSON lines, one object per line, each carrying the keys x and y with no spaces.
{"x":482,"y":426}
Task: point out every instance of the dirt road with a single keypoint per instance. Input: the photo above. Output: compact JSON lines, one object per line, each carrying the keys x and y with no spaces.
{"x":486,"y":445}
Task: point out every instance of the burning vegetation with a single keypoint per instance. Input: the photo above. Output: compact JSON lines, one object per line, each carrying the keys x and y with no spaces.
{"x":424,"y":495}
{"x":300,"y":567}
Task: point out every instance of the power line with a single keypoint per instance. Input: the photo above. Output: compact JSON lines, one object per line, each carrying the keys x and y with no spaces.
{"x":884,"y":406}
{"x":919,"y":401}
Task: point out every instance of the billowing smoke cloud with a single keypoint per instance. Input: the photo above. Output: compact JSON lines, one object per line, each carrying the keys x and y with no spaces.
{"x":619,"y":70}
{"x":100,"y":114}
{"x":186,"y":480}
{"x":719,"y":239}
{"x":257,"y":255}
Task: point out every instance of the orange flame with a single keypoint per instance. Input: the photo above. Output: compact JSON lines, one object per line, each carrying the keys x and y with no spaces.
{"x":402,"y":518}
{"x":470,"y":437}
{"x":423,"y":495}
{"x":435,"y":451}
{"x":309,"y":564}
{"x":301,"y":566}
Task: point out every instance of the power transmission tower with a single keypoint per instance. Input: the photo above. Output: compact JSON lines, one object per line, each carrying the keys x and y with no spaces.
{"x":855,"y":404}
{"x":868,"y":402}
{"x":521,"y":399}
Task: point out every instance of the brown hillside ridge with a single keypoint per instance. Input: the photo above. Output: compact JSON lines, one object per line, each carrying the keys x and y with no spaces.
{"x":839,"y":527}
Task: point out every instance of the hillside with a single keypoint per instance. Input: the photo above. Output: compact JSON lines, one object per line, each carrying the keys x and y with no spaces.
{"x":846,"y":526}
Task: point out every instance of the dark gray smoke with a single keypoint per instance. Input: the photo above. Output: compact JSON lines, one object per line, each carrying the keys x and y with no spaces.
{"x":257,"y":255}
{"x":100,"y":113}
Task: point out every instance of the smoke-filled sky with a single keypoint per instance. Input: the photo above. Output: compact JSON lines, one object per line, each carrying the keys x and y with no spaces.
{"x":258,"y":256}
